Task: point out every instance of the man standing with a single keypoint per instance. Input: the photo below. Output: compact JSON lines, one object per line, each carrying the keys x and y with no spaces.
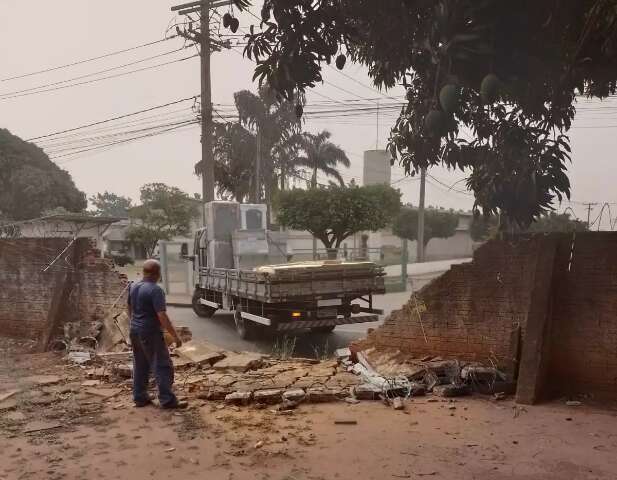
{"x":147,"y":312}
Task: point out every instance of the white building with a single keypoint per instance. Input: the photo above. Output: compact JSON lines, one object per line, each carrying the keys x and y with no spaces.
{"x":68,"y":225}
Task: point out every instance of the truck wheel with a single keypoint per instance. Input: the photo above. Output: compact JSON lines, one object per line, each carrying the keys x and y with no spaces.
{"x":201,"y":310}
{"x":329,"y":329}
{"x":242,"y":326}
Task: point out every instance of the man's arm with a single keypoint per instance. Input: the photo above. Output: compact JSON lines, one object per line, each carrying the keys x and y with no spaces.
{"x":167,"y":325}
{"x":160,"y":307}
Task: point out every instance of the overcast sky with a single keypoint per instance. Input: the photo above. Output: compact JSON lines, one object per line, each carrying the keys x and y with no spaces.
{"x":41,"y":34}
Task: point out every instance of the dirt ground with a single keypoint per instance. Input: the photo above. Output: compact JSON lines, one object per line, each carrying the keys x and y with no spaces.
{"x":469,"y":438}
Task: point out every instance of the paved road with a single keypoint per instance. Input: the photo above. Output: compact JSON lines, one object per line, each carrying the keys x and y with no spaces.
{"x":220,"y":330}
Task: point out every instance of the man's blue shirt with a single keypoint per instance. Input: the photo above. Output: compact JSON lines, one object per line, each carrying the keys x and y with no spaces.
{"x":146,"y":299}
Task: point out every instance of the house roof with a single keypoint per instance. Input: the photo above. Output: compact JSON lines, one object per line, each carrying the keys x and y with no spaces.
{"x":76,"y":218}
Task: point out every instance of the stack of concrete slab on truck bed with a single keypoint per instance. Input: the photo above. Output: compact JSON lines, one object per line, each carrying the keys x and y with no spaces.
{"x":279,"y":283}
{"x":318,"y":269}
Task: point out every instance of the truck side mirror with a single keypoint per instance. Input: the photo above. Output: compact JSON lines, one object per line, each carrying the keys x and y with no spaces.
{"x":184,"y":250}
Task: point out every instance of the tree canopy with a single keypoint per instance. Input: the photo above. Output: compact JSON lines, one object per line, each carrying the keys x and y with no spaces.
{"x":333,"y":214}
{"x":109,"y":204}
{"x":508,"y":72}
{"x":31,"y":183}
{"x":437,"y":224}
{"x":482,"y":228}
{"x":165,"y":212}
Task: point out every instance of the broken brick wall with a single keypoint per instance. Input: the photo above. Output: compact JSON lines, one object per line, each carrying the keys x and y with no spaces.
{"x":472,"y":312}
{"x":78,"y":289}
{"x":583,"y":340}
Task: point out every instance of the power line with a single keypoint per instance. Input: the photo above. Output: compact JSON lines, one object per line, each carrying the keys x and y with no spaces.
{"x":176,"y":127}
{"x":81,"y":143}
{"x":194,"y":97}
{"x":448,"y":187}
{"x":136,"y":62}
{"x":102,"y":78}
{"x":80,"y":62}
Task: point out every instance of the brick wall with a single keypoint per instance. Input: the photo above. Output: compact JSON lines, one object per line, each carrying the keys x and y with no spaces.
{"x":583,"y":347}
{"x":470,"y":312}
{"x":83,"y":286}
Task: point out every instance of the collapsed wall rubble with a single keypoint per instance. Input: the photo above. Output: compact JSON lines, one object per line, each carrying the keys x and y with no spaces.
{"x":540,"y":308}
{"x":55,"y":290}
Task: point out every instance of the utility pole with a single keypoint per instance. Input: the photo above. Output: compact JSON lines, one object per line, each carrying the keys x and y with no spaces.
{"x":257,"y":186}
{"x":589,"y":207}
{"x":313,"y":186}
{"x":207,"y":46}
{"x":207,"y":172}
{"x":420,"y":245}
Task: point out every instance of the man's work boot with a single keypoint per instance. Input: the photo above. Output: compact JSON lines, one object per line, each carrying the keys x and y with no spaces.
{"x":177,"y":405}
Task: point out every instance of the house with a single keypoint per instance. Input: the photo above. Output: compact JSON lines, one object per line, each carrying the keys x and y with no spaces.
{"x":68,"y":225}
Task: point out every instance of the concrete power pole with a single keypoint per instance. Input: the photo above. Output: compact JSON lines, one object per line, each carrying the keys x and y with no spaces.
{"x":420,"y":250}
{"x":257,"y":186}
{"x":203,"y":37}
{"x":207,"y":173}
{"x":589,"y":207}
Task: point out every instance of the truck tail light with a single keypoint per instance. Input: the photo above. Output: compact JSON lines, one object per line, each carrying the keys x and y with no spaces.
{"x":296,"y":314}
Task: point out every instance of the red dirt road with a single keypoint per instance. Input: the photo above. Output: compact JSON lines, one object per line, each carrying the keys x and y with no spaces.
{"x":467,"y":439}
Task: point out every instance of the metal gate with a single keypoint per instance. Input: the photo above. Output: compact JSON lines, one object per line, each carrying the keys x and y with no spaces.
{"x":177,"y":271}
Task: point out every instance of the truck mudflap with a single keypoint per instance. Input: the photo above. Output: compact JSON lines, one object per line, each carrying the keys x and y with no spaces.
{"x":326,"y":322}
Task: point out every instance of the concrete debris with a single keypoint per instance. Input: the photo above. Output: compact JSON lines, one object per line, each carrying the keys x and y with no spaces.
{"x":8,"y":404}
{"x":239,"y":398}
{"x":90,"y":383}
{"x":294,"y":395}
{"x":240,"y":362}
{"x":115,"y":356}
{"x":417,"y":389}
{"x":98,"y":373}
{"x":342,"y":353}
{"x":451,"y":390}
{"x":43,"y":379}
{"x":288,"y":405}
{"x":322,"y":395}
{"x":269,"y":397}
{"x":6,"y":395}
{"x":80,"y":357}
{"x":367,"y":391}
{"x":398,"y":404}
{"x":15,"y":417}
{"x":200,"y":352}
{"x":573,"y":403}
{"x":39,"y":426}
{"x":124,"y":370}
{"x":105,"y":393}
{"x":479,"y":373}
{"x":345,"y":422}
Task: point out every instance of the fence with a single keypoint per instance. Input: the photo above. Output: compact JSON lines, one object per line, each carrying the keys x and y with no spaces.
{"x":177,"y":272}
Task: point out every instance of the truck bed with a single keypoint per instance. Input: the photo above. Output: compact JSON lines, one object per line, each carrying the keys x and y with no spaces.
{"x":297,"y":281}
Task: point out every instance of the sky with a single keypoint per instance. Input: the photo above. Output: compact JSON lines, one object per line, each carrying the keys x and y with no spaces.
{"x":40,"y":35}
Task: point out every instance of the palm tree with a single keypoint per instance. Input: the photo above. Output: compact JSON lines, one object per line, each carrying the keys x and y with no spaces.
{"x":275,"y":123}
{"x":234,"y":151}
{"x":320,"y":154}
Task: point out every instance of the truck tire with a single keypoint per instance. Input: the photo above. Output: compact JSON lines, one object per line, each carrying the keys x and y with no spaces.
{"x":201,"y":310}
{"x":329,"y":329}
{"x":244,"y":328}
